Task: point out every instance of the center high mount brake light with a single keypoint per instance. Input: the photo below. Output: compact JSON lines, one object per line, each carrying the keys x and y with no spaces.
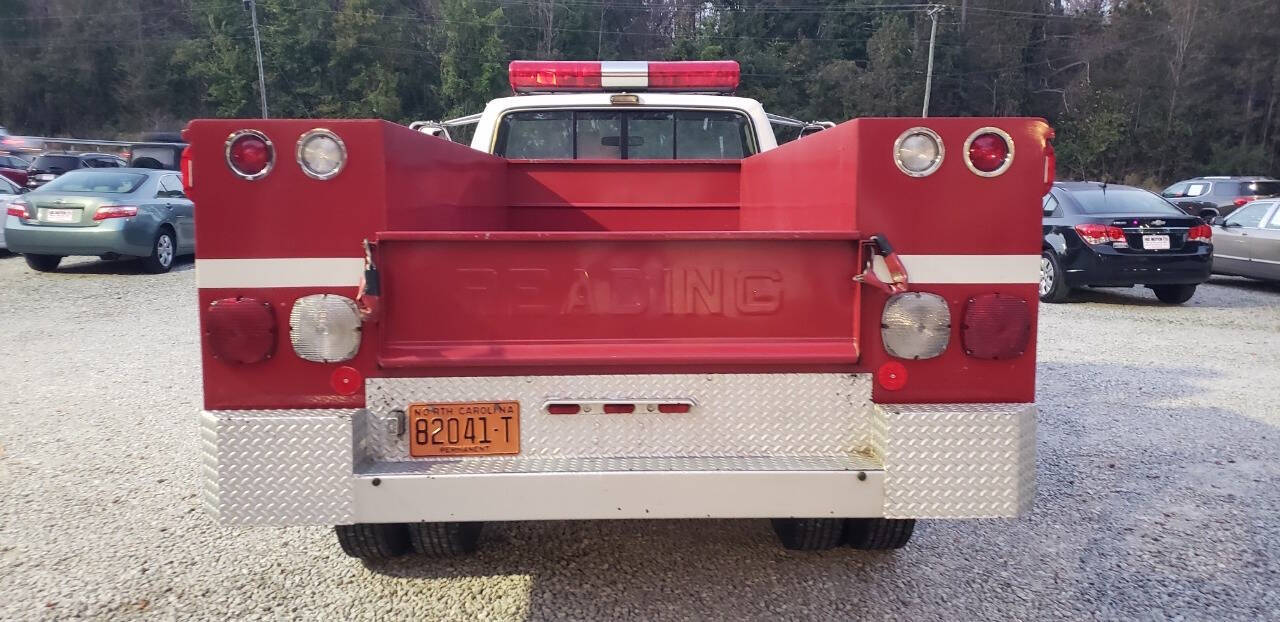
{"x":715,"y":76}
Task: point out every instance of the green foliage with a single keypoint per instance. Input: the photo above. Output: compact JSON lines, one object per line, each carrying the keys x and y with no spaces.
{"x":1150,"y":90}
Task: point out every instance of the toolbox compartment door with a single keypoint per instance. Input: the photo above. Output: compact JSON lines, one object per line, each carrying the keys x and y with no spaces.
{"x":607,"y":299}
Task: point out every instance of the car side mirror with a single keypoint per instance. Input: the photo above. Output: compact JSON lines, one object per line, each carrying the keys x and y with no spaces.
{"x":1228,"y":225}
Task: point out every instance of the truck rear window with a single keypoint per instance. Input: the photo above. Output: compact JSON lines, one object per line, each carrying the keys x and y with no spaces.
{"x":625,"y":135}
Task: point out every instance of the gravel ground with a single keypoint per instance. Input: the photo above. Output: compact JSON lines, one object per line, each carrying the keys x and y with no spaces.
{"x":1159,"y":457}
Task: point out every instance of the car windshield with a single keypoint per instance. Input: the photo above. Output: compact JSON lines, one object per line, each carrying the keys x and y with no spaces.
{"x":627,"y":135}
{"x":1119,"y":200}
{"x":56,"y":162}
{"x":96,"y":181}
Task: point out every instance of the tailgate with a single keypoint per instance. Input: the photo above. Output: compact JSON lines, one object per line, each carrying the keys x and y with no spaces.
{"x":616,"y":298}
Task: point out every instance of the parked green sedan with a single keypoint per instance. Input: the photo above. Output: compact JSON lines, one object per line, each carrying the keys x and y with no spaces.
{"x":109,"y":213}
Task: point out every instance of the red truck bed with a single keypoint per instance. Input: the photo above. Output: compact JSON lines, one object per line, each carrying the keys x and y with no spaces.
{"x":495,"y":267}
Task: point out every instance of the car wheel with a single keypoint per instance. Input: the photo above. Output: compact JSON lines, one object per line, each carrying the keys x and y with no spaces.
{"x":870,"y":534}
{"x":1053,"y":286}
{"x":43,"y":263}
{"x":809,"y":534}
{"x":373,"y":540}
{"x":445,"y":539}
{"x":1174,"y":294}
{"x":163,"y":250}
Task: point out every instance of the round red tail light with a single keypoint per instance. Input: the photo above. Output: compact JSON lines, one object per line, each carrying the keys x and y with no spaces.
{"x":989,"y":152}
{"x":240,"y":330}
{"x":250,"y":154}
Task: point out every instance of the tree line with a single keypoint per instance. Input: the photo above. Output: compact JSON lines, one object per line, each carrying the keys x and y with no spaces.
{"x":1143,"y":91}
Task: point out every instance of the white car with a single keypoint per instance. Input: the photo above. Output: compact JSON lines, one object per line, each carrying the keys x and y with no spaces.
{"x":8,"y":192}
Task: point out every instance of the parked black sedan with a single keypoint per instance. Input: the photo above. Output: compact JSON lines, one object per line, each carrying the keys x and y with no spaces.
{"x":1106,"y":235}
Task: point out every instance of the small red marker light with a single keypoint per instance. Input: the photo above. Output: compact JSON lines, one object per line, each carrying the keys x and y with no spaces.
{"x":563,"y":409}
{"x":346,"y":381}
{"x":674,"y":408}
{"x":892,"y":375}
{"x":619,"y":409}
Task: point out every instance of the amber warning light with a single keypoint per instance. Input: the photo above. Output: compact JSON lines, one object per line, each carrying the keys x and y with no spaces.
{"x":716,"y":76}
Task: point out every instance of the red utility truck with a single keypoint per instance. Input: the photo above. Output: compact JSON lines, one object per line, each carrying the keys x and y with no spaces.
{"x":623,"y":300}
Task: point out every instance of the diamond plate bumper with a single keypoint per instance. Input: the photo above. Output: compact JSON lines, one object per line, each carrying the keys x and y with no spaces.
{"x":758,"y":445}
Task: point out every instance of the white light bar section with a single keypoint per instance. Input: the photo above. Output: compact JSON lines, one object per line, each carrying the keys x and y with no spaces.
{"x":624,"y":74}
{"x":284,"y":272}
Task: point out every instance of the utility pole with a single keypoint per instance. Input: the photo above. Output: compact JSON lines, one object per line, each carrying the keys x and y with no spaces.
{"x":252,"y":7}
{"x":934,"y":10}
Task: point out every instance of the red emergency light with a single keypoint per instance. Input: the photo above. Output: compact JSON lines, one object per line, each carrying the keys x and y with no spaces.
{"x":715,"y":76}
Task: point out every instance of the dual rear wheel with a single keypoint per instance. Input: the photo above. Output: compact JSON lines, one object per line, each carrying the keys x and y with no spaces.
{"x":820,"y":534}
{"x":375,"y":541}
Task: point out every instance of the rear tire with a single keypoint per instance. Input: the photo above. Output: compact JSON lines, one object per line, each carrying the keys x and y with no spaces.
{"x":43,"y":263}
{"x":373,"y":540}
{"x":872,"y":534}
{"x":809,"y":534}
{"x":1174,"y":294}
{"x":163,"y":251}
{"x":1053,"y":286}
{"x":445,"y":539}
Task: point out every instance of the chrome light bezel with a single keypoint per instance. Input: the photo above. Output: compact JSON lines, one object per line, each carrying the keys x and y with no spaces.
{"x":897,"y":151}
{"x":271,"y":160}
{"x":318,"y":133}
{"x":1008,"y":161}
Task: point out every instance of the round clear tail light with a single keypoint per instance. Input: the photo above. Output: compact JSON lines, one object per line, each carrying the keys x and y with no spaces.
{"x":918,"y":152}
{"x":250,"y":154}
{"x":915,"y":325}
{"x":321,"y":154}
{"x":325,"y":328}
{"x":989,"y":151}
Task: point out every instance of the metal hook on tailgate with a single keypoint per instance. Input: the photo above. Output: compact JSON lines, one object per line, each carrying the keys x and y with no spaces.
{"x":879,"y":245}
{"x":370,"y":288}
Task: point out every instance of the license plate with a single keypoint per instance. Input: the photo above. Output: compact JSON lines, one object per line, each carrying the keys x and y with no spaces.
{"x":1155,"y":242}
{"x":60,"y":215}
{"x":464,"y":428}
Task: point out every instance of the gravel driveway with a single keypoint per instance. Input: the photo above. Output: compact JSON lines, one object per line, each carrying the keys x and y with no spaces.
{"x":1159,"y":462}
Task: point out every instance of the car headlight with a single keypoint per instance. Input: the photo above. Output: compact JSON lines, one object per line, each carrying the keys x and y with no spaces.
{"x":325,"y":328}
{"x":321,"y":154}
{"x":915,"y":325}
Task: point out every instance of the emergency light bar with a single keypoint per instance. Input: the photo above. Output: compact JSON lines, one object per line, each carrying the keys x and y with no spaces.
{"x":716,"y":76}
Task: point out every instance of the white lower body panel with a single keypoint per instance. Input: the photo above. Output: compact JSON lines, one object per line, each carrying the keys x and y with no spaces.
{"x":756,"y":445}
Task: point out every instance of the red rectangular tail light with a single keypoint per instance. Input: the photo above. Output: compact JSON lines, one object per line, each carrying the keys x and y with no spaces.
{"x":240,"y":330}
{"x":996,"y":326}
